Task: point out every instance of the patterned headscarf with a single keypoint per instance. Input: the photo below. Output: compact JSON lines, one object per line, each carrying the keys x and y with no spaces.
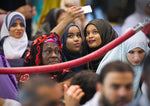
{"x":34,"y":55}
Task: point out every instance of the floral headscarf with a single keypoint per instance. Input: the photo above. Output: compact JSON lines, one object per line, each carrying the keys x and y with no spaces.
{"x":34,"y":57}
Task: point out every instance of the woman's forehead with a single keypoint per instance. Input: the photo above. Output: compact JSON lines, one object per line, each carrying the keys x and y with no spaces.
{"x":72,"y":28}
{"x":137,"y":49}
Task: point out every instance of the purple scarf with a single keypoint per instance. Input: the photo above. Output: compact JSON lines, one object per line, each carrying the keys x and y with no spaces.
{"x":8,"y":83}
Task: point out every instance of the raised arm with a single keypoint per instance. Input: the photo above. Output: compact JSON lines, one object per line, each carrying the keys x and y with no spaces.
{"x":70,"y":15}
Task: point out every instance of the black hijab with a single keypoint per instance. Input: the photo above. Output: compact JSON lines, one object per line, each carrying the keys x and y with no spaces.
{"x":107,"y":34}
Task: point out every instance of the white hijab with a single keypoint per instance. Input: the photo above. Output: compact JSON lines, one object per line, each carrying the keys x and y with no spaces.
{"x":13,"y":48}
{"x":120,"y":53}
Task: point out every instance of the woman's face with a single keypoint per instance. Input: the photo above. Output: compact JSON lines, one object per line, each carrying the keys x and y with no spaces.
{"x":93,"y":37}
{"x":135,"y":56}
{"x":50,"y":53}
{"x":17,"y":29}
{"x":74,"y":40}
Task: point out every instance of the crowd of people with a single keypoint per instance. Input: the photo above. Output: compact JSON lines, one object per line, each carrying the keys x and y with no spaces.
{"x":118,"y":78}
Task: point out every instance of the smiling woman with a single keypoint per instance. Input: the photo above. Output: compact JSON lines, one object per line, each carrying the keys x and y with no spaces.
{"x":17,"y":29}
{"x":93,"y":38}
{"x":14,"y":36}
{"x":98,"y":33}
{"x":14,"y":39}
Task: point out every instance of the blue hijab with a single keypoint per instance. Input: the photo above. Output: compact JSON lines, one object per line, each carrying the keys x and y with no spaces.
{"x":66,"y":54}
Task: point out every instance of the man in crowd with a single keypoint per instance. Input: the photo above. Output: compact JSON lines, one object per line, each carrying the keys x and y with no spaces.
{"x":114,"y":86}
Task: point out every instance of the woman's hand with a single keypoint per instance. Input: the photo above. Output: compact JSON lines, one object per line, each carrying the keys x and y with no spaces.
{"x":71,"y":14}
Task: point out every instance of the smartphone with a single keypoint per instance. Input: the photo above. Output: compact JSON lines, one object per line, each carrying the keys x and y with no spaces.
{"x":86,"y":9}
